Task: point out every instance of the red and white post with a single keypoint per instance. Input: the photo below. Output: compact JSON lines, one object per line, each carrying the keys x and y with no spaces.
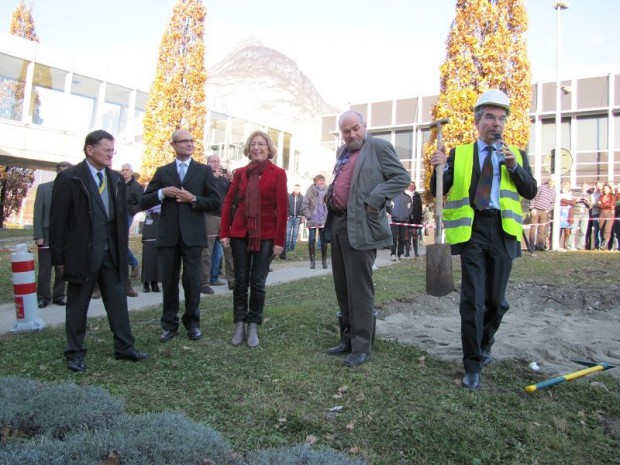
{"x":25,"y":290}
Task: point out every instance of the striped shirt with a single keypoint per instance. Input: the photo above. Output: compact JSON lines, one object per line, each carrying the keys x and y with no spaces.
{"x":544,"y":200}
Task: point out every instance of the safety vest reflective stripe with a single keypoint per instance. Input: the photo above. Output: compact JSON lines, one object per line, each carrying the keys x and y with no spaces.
{"x":458,"y":213}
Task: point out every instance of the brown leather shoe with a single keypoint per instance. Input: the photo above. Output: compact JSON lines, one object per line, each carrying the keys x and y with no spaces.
{"x":131,"y":292}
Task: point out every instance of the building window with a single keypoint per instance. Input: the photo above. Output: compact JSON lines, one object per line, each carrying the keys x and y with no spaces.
{"x":403,"y":144}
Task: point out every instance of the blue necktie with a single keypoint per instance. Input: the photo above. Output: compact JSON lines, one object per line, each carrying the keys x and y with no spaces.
{"x":182,"y":169}
{"x":482,"y":199}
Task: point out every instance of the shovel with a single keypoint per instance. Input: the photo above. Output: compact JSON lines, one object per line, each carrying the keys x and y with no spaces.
{"x":439,"y":279}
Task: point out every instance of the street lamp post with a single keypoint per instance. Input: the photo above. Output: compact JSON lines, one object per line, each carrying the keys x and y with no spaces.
{"x":557,"y":159}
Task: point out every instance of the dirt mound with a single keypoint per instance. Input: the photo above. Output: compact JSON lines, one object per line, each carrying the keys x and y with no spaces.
{"x":551,"y":325}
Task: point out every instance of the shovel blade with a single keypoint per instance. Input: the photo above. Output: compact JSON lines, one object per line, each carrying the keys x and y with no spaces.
{"x":439,"y":278}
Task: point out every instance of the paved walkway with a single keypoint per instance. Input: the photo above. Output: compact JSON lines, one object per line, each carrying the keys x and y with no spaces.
{"x":283,"y":271}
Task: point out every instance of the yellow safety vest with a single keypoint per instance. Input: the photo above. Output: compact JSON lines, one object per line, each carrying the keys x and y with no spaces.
{"x":458,"y":215}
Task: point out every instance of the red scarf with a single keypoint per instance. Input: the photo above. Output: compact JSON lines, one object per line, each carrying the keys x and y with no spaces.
{"x":252,"y":204}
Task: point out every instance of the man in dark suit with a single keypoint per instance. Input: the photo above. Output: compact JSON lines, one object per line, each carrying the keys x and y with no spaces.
{"x":186,"y":190}
{"x":89,"y":240}
{"x":41,"y":225}
{"x":483,"y":223}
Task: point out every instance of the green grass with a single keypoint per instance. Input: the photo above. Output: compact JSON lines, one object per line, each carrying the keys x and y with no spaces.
{"x":397,"y":409}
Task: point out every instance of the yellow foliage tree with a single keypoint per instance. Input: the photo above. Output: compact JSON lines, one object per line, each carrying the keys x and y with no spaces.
{"x":485,"y":49}
{"x":177,"y":96}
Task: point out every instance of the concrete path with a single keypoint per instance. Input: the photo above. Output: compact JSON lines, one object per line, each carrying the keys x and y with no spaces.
{"x":283,"y":271}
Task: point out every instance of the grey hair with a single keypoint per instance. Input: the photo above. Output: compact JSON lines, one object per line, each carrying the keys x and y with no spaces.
{"x":349,"y":113}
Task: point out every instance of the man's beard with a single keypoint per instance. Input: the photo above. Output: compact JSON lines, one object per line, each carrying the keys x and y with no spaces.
{"x":355,"y":144}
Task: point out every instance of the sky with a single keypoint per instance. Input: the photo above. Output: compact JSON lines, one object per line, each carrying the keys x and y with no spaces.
{"x":353,"y":51}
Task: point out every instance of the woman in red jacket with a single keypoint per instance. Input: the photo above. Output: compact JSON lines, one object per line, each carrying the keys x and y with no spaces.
{"x":254,"y":217}
{"x":607,"y":204}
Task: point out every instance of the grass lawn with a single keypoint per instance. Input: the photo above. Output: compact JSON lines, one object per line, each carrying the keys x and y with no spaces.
{"x":403,"y":407}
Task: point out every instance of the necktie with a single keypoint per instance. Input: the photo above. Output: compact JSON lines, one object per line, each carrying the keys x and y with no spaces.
{"x":482,"y":199}
{"x":182,"y":169}
{"x":101,"y":182}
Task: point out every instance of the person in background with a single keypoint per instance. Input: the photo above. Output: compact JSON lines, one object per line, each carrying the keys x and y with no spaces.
{"x":566,"y":216}
{"x":134,"y":194}
{"x":367,"y":175}
{"x":185,"y":189}
{"x":483,"y":221}
{"x":415,"y":218}
{"x":212,"y":255}
{"x":607,"y":205}
{"x":41,"y":223}
{"x":254,"y":218}
{"x":400,"y":209}
{"x":89,"y":240}
{"x":151,"y":271}
{"x":593,"y":238}
{"x":614,"y":233}
{"x":581,"y":215}
{"x":540,"y":211}
{"x":295,"y":217}
{"x":315,"y":211}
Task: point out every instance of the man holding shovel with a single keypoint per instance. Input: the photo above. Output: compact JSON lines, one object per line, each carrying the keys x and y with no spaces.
{"x":483,"y":223}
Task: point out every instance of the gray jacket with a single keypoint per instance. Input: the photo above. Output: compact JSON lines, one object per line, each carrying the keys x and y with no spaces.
{"x":377,"y":178}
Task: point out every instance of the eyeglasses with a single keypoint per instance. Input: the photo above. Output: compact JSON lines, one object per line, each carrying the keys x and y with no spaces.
{"x":106,"y":151}
{"x":492,"y":118}
{"x":183,"y":141}
{"x":258,"y":144}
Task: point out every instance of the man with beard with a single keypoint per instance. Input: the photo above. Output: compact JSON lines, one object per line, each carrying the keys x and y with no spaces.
{"x":367,"y":175}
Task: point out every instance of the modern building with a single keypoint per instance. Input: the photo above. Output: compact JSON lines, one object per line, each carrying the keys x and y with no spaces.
{"x":590,"y":112}
{"x":50,"y":100}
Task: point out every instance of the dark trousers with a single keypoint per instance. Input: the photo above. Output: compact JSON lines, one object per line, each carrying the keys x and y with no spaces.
{"x":115,"y":303}
{"x":485,"y":267}
{"x":170,"y":259}
{"x":399,"y":238}
{"x":45,"y":277}
{"x":355,"y":291}
{"x":251,"y":269}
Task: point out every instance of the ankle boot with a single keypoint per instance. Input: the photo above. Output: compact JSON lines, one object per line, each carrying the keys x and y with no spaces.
{"x":312,"y":252}
{"x":252,"y":335}
{"x":239,"y":334}
{"x":324,"y":255}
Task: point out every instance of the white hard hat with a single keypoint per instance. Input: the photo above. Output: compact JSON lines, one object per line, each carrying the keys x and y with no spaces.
{"x":494,"y":97}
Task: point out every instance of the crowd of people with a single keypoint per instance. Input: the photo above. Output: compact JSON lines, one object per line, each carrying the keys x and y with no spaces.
{"x":197,"y":214}
{"x":589,"y":217}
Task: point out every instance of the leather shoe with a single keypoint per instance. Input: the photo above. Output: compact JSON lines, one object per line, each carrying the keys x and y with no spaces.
{"x":194,"y":334}
{"x":167,"y":334}
{"x":131,"y":292}
{"x":219,"y":282}
{"x":340,"y":349}
{"x":487,"y":359}
{"x":76,"y":365}
{"x":471,"y":380}
{"x":207,"y":290}
{"x":355,"y":359}
{"x":146,"y":287}
{"x":155,"y":286}
{"x":133,"y":356}
{"x":60,"y":301}
{"x":43,"y":303}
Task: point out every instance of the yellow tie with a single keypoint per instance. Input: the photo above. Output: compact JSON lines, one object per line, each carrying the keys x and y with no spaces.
{"x":101,"y":182}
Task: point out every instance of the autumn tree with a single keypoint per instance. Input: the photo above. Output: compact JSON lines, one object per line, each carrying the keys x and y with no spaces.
{"x":15,"y":181}
{"x":486,"y":49}
{"x":177,"y":96}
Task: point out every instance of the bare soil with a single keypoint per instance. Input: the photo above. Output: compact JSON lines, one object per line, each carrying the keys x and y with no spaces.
{"x":549,"y":325}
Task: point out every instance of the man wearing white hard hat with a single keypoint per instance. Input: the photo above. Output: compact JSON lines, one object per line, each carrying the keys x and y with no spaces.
{"x":482,"y":217}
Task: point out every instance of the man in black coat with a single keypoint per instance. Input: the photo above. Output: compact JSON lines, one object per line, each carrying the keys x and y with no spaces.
{"x":88,"y":238}
{"x":186,"y":190}
{"x":41,"y":228}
